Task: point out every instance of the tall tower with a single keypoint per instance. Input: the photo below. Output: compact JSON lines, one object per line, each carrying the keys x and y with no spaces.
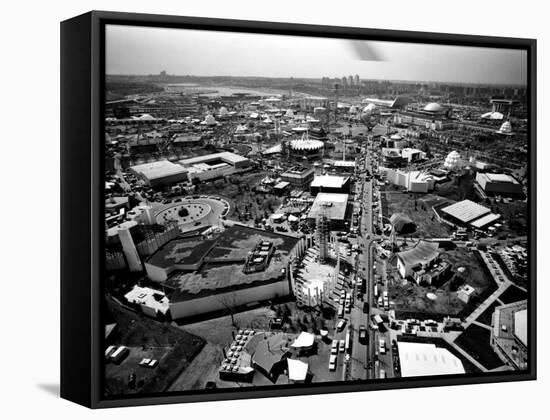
{"x":336,"y":94}
{"x":128,"y":246}
{"x":323,"y":234}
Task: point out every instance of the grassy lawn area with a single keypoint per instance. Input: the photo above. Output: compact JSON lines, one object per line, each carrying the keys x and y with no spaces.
{"x":410,"y":300}
{"x":457,"y":189}
{"x":147,"y":338}
{"x":513,"y":294}
{"x":245,"y":203}
{"x":427,"y":226}
{"x":475,"y":341}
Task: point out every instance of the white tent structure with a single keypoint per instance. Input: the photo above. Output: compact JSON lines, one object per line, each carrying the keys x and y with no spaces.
{"x":506,"y":129}
{"x":493,"y":116}
{"x":297,"y":370}
{"x":304,"y":341}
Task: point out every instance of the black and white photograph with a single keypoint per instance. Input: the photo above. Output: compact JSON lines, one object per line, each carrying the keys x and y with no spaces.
{"x":285,"y":211}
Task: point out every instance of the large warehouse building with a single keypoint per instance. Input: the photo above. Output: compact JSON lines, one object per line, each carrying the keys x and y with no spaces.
{"x":330,"y":184}
{"x":498,"y":184}
{"x":333,"y":206}
{"x":240,"y":266}
{"x":162,"y":172}
{"x":425,"y":359}
{"x":215,"y":165}
{"x":467,"y":212}
{"x":299,"y":177}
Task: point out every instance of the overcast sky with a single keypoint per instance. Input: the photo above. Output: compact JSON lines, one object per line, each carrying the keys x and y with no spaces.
{"x":141,"y":50}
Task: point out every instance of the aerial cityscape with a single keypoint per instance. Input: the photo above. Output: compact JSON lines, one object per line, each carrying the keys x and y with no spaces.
{"x":293,"y":228}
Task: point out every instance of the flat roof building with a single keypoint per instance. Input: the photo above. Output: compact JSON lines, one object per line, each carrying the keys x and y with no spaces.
{"x":498,"y":184}
{"x":330,"y":184}
{"x":467,"y":212}
{"x":332,"y":206}
{"x":299,"y":177}
{"x":162,"y":172}
{"x":207,"y":275}
{"x":426,"y":359}
{"x":215,"y":165}
{"x":509,"y":334}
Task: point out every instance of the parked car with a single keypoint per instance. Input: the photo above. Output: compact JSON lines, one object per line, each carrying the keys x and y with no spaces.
{"x":334,"y":347}
{"x":341,"y":325}
{"x":363,"y":336}
{"x":332,"y":363}
{"x":342,"y":346}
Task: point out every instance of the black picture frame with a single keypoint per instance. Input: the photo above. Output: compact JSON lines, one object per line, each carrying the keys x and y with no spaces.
{"x":82,"y":186}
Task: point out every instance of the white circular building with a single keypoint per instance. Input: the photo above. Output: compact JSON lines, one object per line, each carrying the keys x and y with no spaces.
{"x":453,"y":160}
{"x":307,"y":146}
{"x":433,"y":107}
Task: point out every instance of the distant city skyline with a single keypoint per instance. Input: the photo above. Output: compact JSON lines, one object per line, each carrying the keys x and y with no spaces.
{"x":132,"y":50}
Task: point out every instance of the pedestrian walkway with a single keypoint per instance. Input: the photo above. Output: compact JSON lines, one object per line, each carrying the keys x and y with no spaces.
{"x":467,"y":356}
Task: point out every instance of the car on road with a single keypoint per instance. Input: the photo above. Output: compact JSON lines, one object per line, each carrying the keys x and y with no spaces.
{"x":334,"y":347}
{"x":382,"y":346}
{"x":332,"y":363}
{"x":341,"y":325}
{"x":363,"y":336}
{"x":342,"y":346}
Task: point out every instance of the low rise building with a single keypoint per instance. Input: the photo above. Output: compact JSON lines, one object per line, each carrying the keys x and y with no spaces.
{"x":330,"y":184}
{"x":498,"y":184}
{"x":299,"y":177}
{"x":159,"y":173}
{"x":215,"y":165}
{"x":420,"y":257}
{"x":466,"y":293}
{"x":509,"y":334}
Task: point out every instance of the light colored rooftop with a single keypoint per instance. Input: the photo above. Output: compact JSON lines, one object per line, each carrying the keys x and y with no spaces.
{"x":154,"y":299}
{"x":422,"y":359}
{"x":520,"y":326}
{"x":159,"y":169}
{"x":328,"y":181}
{"x":423,"y":251}
{"x":501,"y":178}
{"x":466,"y":210}
{"x":344,"y":163}
{"x":332,"y":205}
{"x":485,"y":220}
{"x":227,"y":157}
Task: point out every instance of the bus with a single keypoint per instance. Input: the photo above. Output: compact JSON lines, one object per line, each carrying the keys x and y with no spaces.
{"x":120,"y":354}
{"x":348,"y":343}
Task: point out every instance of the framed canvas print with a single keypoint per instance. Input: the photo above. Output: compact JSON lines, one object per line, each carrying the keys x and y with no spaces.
{"x":254,"y":209}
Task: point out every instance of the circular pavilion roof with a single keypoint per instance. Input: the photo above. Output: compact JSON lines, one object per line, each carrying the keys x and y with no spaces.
{"x":433,"y":107}
{"x":306,"y":144}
